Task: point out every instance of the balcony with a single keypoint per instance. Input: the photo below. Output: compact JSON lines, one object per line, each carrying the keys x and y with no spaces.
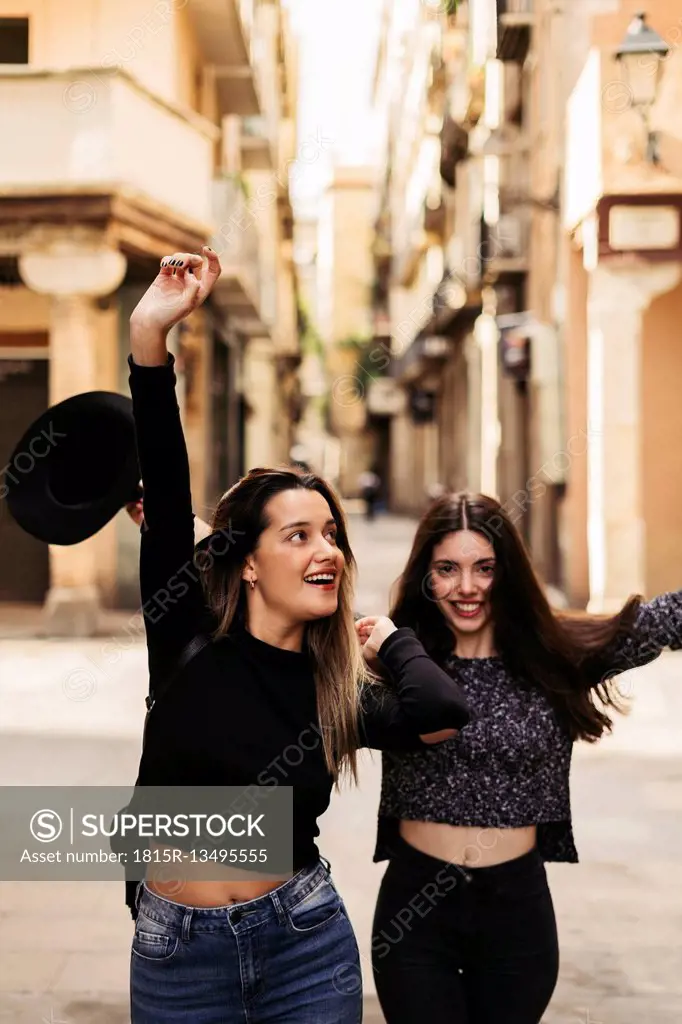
{"x":514,"y":23}
{"x":424,"y":356}
{"x":258,"y":143}
{"x":225,"y":30}
{"x":504,"y":247}
{"x":409,"y":245}
{"x":238,"y":290}
{"x":413,"y":236}
{"x":89,"y":138}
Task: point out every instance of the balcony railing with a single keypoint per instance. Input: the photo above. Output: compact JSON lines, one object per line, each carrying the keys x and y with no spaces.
{"x":514,"y":23}
{"x":99,"y":129}
{"x":236,"y":241}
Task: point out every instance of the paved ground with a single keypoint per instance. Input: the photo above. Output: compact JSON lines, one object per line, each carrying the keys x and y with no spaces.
{"x":71,"y":712}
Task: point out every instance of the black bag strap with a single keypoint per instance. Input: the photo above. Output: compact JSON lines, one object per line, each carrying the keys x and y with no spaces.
{"x":196,"y":644}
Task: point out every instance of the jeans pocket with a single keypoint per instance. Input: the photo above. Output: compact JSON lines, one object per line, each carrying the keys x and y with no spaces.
{"x":154,"y":940}
{"x":316,"y":910}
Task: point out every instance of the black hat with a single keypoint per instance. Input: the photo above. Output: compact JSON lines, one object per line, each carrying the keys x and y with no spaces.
{"x":75,"y":467}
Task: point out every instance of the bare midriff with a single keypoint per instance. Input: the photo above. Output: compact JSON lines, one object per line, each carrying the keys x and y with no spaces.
{"x":473,"y":847}
{"x":175,"y":877}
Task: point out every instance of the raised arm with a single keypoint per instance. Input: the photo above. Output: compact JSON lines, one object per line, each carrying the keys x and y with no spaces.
{"x":420,"y":704}
{"x":135,"y":510}
{"x":658,"y":626}
{"x":172,"y":596}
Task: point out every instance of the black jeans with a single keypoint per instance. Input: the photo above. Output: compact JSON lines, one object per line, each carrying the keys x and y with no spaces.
{"x":464,"y":946}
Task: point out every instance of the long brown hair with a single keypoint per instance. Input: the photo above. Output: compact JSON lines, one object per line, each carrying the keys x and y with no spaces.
{"x":340,"y":672}
{"x":564,"y":653}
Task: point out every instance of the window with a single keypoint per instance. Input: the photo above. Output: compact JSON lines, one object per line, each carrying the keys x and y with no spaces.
{"x":13,"y":40}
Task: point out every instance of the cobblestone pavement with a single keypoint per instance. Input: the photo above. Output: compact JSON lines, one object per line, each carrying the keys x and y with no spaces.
{"x":71,"y":713}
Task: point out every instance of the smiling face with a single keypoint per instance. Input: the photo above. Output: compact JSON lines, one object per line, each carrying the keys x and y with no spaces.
{"x":462,"y":570}
{"x":297,"y":564}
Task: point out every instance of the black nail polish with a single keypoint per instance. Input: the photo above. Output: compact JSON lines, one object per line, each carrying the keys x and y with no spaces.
{"x":172,"y":263}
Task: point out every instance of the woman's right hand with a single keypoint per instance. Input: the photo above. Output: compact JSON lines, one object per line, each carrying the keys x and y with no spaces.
{"x":372,"y":630}
{"x":184,"y":281}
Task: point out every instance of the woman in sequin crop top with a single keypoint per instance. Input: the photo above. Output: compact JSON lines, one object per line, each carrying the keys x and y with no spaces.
{"x":492,"y":804}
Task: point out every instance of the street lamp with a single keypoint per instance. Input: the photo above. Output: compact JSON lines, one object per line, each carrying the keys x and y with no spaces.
{"x":641,"y":54}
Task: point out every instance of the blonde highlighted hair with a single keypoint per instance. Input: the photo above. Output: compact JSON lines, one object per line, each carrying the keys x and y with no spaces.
{"x":339,"y":668}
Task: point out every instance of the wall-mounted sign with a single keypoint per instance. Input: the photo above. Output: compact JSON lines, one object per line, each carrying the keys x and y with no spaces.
{"x":435,"y":346}
{"x":385,"y":397}
{"x":644,"y":227}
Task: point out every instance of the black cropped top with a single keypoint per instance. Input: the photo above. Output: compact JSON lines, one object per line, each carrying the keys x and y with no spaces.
{"x":241,"y":703}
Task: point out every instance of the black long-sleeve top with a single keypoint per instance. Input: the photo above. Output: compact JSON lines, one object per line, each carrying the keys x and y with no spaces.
{"x":228,"y":717}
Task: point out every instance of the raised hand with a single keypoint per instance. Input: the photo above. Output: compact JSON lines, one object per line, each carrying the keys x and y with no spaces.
{"x":184,"y":281}
{"x":372,"y":631}
{"x":135,"y":510}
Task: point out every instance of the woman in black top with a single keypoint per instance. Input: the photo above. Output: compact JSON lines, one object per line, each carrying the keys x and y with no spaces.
{"x":467,"y":826}
{"x":278,"y":697}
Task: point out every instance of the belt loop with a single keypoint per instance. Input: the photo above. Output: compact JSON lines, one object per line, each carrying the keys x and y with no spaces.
{"x":138,"y":893}
{"x":279,"y":909}
{"x":186,"y":922}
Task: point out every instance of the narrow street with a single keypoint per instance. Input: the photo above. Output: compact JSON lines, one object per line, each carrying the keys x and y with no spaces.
{"x":71,"y":714}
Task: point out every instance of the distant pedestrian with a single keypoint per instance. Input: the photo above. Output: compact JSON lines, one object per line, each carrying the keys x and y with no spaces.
{"x":434,"y":491}
{"x":279,"y":693}
{"x":369,"y":483}
{"x":467,"y":826}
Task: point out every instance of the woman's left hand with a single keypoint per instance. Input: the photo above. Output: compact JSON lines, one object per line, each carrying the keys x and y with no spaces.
{"x":184,"y":282}
{"x":372,"y":631}
{"x":135,"y":510}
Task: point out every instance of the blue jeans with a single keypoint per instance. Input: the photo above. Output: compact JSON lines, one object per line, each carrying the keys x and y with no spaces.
{"x":289,"y":957}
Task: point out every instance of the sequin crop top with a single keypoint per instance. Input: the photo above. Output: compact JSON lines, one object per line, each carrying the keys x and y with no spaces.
{"x":510,"y":766}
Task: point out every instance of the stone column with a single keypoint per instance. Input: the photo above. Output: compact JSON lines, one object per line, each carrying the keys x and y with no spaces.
{"x":73,"y":272}
{"x":403,"y":462}
{"x":617,"y":300}
{"x":260,"y":383}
